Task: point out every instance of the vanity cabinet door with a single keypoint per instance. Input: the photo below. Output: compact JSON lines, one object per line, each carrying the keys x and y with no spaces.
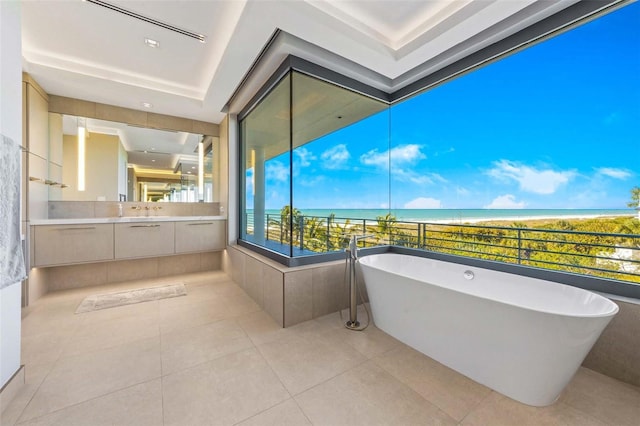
{"x":68,"y":244}
{"x":202,"y":235}
{"x":143,"y":239}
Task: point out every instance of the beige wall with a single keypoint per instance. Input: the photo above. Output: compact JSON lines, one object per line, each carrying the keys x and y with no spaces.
{"x":102,"y":168}
{"x":616,"y":353}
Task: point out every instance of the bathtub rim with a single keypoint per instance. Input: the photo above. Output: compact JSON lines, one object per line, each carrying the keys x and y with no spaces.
{"x":586,"y":282}
{"x":614,"y":308}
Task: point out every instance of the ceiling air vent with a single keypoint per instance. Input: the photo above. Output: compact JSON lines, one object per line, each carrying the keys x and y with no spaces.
{"x":201,"y":38}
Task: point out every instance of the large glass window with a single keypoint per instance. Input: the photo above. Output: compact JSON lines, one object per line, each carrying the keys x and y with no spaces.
{"x":302,"y":151}
{"x":531,"y":159}
{"x":266,"y":167}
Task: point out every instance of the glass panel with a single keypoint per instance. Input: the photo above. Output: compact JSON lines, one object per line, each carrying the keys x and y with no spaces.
{"x":542,"y":140}
{"x":266,"y":171}
{"x":340,"y":140}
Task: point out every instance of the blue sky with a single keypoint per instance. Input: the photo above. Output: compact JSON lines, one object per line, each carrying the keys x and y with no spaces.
{"x":554,"y":126}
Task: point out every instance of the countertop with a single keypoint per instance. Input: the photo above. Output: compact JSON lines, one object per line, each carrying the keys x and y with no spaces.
{"x":126,"y":219}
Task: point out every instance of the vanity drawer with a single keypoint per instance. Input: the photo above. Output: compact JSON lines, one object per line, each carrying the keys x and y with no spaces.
{"x":201,"y":235}
{"x":67,"y":244}
{"x":144,"y":239}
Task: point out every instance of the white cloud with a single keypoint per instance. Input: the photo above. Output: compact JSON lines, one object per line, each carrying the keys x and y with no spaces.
{"x":304,"y":156}
{"x":411,"y":176}
{"x":399,"y":155}
{"x":423,"y":203}
{"x":530,"y":179}
{"x":614,"y":173}
{"x":335,"y":157}
{"x":275,"y":170}
{"x":506,"y":201}
{"x":311,"y":180}
{"x":463,"y":192}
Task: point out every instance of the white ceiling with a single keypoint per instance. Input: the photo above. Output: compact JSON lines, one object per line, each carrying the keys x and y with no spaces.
{"x":77,"y":49}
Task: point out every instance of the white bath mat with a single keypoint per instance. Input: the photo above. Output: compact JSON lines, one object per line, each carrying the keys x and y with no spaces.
{"x":129,"y":297}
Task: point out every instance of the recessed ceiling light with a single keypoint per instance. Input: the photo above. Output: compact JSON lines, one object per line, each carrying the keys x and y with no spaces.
{"x":147,"y":104}
{"x":153,"y":161}
{"x":193,"y":167}
{"x":152,"y":43}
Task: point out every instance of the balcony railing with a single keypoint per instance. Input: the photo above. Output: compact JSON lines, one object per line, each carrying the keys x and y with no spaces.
{"x":607,"y":255}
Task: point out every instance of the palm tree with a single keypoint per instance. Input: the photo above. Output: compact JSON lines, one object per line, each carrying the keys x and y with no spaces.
{"x":635,"y":197}
{"x":290,"y":220}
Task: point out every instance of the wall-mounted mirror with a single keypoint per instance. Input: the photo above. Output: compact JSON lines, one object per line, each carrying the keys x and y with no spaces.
{"x":123,"y":162}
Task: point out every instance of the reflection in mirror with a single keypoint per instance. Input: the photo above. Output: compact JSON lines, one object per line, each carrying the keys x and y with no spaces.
{"x":129,"y":163}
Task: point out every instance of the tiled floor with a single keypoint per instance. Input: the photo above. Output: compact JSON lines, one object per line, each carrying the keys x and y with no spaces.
{"x":214,"y":358}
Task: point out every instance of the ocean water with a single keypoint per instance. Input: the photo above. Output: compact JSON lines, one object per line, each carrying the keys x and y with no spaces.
{"x":464,"y":215}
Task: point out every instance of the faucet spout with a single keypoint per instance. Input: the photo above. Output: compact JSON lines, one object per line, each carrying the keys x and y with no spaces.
{"x":353,"y":244}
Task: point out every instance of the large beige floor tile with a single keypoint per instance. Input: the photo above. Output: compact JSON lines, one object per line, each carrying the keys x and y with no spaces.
{"x":45,"y":321}
{"x":138,"y":405}
{"x":46,"y":347}
{"x":447,"y":389}
{"x":261,"y":328}
{"x":367,"y":395}
{"x":609,"y":400}
{"x":498,"y":410}
{"x":370,"y":342}
{"x":75,"y":379}
{"x":286,"y":414}
{"x":34,"y":376}
{"x":192,"y":346}
{"x":224,"y":391}
{"x":93,"y":336}
{"x":240,"y":304}
{"x":174,"y":318}
{"x":304,"y":362}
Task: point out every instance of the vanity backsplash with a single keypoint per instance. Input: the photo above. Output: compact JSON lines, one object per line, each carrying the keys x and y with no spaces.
{"x":91,"y":209}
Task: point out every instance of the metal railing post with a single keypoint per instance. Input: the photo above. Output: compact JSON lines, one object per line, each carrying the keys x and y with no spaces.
{"x":519,"y":246}
{"x":301,"y":227}
{"x":328,"y":231}
{"x":266,"y":238}
{"x":364,"y":231}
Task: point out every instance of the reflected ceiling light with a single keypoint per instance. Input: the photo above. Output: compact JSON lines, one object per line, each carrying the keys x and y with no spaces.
{"x":154,"y":44}
{"x":147,"y":104}
{"x":200,"y":171}
{"x":82,"y":142}
{"x":253,"y":175}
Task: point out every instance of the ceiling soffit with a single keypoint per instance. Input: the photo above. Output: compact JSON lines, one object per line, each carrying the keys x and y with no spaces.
{"x":80,"y":50}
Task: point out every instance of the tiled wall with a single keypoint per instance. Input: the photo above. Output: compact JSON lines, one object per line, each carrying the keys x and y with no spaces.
{"x":616,"y":353}
{"x":289,"y":295}
{"x":89,"y":209}
{"x":90,"y":274}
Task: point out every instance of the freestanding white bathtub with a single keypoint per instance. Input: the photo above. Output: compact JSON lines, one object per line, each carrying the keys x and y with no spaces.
{"x":520,"y":336}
